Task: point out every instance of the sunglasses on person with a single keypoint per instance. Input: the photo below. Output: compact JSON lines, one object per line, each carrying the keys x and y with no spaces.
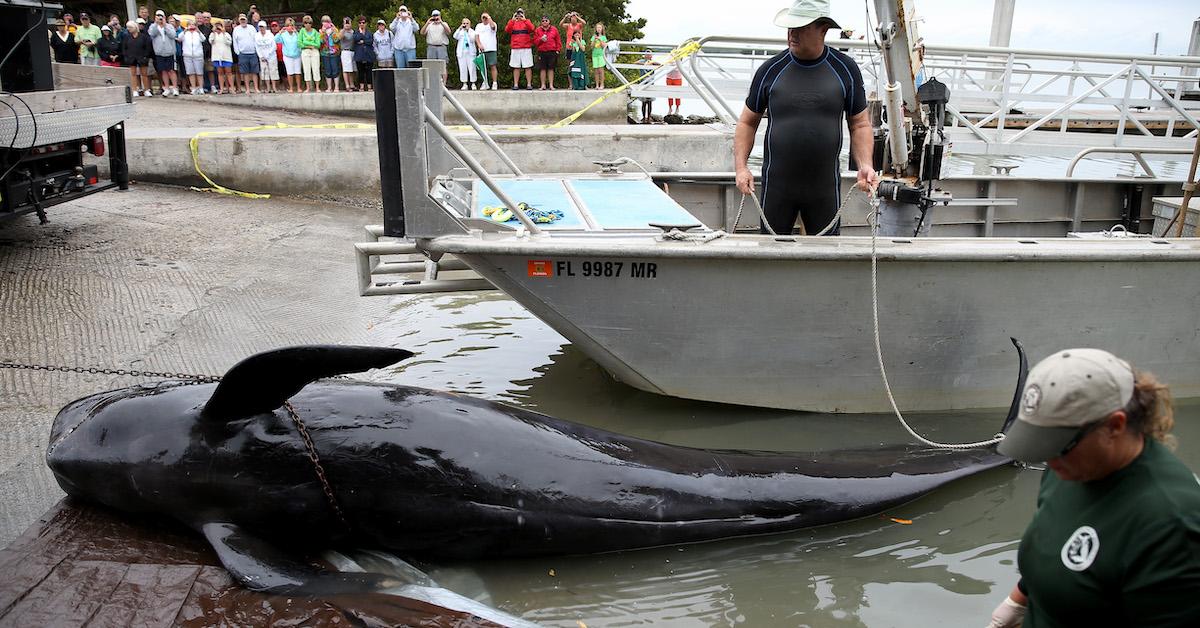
{"x":1080,"y":435}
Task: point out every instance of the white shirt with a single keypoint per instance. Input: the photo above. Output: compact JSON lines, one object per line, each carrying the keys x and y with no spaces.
{"x":265,"y":44}
{"x":193,"y":43}
{"x":404,"y":34}
{"x":243,"y":39}
{"x":466,"y":43}
{"x":221,"y":46}
{"x":487,"y":36}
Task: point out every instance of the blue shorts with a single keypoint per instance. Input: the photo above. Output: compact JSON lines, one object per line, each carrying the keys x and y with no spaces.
{"x":248,"y":64}
{"x":222,"y":64}
{"x":331,"y":66}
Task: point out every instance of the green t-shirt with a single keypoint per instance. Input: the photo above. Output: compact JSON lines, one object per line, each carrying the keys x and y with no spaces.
{"x":309,"y":39}
{"x":91,"y":33}
{"x":1121,"y":551}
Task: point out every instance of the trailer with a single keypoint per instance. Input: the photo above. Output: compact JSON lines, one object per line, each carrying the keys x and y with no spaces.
{"x":47,"y":135}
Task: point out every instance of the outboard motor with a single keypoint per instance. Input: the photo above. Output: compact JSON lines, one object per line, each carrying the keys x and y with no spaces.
{"x":909,"y":134}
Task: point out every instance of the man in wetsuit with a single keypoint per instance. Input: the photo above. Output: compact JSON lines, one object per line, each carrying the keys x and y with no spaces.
{"x":806,"y":89}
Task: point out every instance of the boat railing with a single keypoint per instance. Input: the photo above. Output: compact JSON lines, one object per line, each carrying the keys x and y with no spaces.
{"x":1136,"y":152}
{"x":1000,"y":96}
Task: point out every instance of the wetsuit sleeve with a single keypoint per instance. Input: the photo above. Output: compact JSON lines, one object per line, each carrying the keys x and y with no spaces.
{"x":858,"y":94}
{"x":1161,"y":583}
{"x":848,"y":72}
{"x":760,"y":87}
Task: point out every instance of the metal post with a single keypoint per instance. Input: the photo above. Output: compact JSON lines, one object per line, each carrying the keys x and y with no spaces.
{"x":1002,"y":20}
{"x":440,"y":161}
{"x":1125,"y":104}
{"x":423,"y":218}
{"x":388,"y":139}
{"x":118,"y":162}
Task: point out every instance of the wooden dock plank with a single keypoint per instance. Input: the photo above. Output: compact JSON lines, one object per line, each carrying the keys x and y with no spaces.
{"x":83,"y":565}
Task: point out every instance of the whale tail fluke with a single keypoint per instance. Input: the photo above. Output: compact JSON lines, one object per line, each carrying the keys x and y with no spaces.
{"x":1022,"y":375}
{"x":262,"y":382}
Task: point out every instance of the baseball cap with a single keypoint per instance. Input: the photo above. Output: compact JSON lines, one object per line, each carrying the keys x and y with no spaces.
{"x":105,"y":28}
{"x":141,"y":20}
{"x":262,"y":23}
{"x":380,"y":22}
{"x":160,"y":12}
{"x":804,"y":12}
{"x":402,"y":8}
{"x":436,"y":12}
{"x":84,"y":16}
{"x":274,"y":23}
{"x":1063,"y":393}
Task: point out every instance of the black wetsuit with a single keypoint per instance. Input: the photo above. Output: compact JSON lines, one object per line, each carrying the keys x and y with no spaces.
{"x":805,"y":103}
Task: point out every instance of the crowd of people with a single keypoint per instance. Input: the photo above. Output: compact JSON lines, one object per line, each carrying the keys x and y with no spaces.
{"x":202,"y":54}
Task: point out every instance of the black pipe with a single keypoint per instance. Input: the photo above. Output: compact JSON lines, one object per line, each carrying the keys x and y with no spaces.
{"x":118,"y":162}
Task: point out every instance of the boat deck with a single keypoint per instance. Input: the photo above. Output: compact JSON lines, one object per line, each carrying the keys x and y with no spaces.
{"x":82,"y":565}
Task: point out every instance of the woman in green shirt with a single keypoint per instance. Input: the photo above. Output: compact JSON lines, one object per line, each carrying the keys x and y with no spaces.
{"x":1115,"y":539}
{"x":310,"y":55}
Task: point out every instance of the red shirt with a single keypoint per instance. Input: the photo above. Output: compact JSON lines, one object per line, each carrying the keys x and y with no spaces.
{"x":521,"y":32}
{"x":547,"y":39}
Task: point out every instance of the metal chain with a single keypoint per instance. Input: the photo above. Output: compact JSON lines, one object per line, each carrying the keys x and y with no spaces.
{"x":93,"y":370}
{"x":316,"y":460}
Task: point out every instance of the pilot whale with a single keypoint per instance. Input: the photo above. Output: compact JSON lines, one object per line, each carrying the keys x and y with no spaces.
{"x":430,"y":474}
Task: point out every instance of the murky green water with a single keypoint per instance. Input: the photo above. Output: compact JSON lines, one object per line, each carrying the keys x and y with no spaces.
{"x":950,"y":566}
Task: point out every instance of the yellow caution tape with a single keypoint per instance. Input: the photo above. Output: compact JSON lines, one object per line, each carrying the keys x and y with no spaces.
{"x":683,"y":51}
{"x":194,"y":145}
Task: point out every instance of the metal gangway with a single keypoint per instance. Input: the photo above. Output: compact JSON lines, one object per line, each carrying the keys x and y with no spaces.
{"x":1003,"y":99}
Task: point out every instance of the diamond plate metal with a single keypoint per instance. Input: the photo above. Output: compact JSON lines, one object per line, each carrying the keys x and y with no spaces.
{"x":59,"y":126}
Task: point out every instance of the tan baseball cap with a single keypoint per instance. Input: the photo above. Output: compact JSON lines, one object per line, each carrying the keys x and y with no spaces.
{"x":1063,"y":393}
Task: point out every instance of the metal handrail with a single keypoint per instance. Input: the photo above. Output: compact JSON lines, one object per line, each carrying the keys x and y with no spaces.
{"x":1136,"y":152}
{"x":483,"y":135}
{"x":472,"y":163}
{"x":1003,"y":78}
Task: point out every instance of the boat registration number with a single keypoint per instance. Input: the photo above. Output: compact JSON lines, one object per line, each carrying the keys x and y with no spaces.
{"x":588,"y":268}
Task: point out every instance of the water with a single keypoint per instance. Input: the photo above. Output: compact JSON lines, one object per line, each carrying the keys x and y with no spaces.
{"x":951,"y":565}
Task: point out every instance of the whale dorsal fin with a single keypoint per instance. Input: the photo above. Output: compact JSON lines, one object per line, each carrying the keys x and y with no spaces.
{"x":262,"y":382}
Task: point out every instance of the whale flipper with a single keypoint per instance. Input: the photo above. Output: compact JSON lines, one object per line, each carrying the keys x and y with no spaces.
{"x":260,"y":566}
{"x":262,"y":382}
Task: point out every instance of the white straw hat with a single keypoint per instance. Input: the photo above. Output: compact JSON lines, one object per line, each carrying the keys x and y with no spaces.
{"x":804,"y":12}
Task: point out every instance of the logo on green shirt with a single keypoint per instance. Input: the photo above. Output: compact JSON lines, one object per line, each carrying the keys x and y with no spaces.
{"x":1081,"y":548}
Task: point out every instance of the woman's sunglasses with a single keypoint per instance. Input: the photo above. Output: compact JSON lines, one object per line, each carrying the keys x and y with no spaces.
{"x":1080,"y":435}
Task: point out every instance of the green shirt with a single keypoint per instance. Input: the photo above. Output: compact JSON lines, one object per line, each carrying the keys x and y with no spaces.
{"x":88,"y":32}
{"x":309,"y":38}
{"x":1121,"y":551}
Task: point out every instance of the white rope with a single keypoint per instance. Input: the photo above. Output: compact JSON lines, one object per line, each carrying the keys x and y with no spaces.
{"x":762,"y":216}
{"x":873,"y":220}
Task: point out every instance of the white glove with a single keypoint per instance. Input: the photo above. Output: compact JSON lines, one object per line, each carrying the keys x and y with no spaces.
{"x":1008,"y":614}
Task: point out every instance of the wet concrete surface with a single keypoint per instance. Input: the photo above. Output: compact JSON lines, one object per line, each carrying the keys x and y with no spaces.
{"x":162,"y":279}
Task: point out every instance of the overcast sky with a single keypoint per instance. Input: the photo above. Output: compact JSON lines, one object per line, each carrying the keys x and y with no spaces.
{"x":1078,"y":25}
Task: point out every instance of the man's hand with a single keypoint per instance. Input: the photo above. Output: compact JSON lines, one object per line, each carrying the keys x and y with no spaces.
{"x":868,"y":179}
{"x":1009,"y":614}
{"x":745,"y":181}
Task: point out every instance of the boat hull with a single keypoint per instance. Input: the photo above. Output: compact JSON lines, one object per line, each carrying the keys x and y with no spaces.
{"x":788,"y":325}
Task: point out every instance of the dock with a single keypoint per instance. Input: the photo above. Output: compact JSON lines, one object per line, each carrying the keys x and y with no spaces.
{"x":84,"y":565}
